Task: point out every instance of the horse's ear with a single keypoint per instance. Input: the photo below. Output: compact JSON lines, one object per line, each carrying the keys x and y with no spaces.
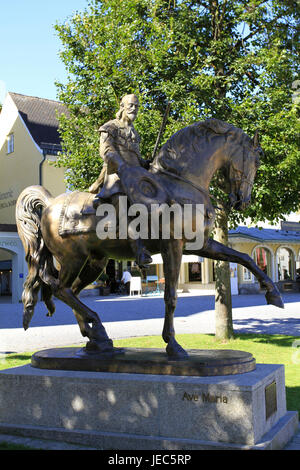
{"x":256,"y":139}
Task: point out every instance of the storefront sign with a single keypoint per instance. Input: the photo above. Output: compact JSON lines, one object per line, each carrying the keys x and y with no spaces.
{"x":6,"y":199}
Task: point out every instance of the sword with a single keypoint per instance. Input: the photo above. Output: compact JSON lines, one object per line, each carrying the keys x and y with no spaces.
{"x":161,"y":130}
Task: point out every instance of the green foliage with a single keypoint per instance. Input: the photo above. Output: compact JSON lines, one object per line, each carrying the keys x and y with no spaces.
{"x":231,"y":59}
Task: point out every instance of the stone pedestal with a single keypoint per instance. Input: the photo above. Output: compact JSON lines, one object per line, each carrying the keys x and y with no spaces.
{"x":139,"y":411}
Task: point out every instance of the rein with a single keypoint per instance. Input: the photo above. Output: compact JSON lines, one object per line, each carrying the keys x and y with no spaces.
{"x":181,"y":178}
{"x":184,"y":180}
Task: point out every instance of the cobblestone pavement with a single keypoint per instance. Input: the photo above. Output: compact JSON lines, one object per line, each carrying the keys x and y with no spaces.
{"x":125,"y":317}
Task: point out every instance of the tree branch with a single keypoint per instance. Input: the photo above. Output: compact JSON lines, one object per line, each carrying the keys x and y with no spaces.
{"x":256,"y":31}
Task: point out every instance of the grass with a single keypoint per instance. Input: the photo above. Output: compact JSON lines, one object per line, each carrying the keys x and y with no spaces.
{"x":14,"y":360}
{"x":8,"y":446}
{"x":267,"y":349}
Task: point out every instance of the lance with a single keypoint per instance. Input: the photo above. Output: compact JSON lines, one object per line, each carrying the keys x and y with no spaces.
{"x":161,"y":130}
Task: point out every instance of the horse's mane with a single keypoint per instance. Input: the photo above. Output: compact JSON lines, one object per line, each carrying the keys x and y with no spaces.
{"x":184,"y":144}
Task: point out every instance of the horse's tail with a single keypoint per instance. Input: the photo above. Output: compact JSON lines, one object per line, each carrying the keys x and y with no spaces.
{"x":30,"y":205}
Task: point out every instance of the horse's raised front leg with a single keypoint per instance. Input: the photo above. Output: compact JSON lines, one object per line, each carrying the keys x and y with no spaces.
{"x":171,"y":253}
{"x":218,"y":251}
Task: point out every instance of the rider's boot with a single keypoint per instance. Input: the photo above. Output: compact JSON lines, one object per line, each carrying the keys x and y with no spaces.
{"x":143,"y":257}
{"x":98,"y":199}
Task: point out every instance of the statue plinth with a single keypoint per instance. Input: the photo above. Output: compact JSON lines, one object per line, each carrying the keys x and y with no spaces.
{"x":146,"y":361}
{"x":107,"y":410}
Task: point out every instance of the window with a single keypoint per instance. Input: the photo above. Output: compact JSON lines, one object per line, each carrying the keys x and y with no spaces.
{"x":10,"y":143}
{"x":285,"y":264}
{"x":195,"y":274}
{"x":263,"y":260}
{"x":246,"y":274}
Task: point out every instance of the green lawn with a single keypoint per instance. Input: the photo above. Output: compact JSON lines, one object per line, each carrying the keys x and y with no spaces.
{"x":267,"y":349}
{"x":8,"y":446}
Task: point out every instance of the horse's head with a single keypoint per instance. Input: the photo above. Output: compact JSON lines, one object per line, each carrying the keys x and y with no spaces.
{"x":242,"y":170}
{"x":197,"y":152}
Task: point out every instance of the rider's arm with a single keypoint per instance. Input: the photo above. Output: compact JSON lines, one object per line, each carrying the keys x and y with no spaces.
{"x":108,"y":152}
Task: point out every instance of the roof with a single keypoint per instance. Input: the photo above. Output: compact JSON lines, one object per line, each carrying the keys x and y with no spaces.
{"x":266,"y":234}
{"x":40,"y":117}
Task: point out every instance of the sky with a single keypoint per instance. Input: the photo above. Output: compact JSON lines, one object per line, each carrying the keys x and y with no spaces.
{"x":29,"y":46}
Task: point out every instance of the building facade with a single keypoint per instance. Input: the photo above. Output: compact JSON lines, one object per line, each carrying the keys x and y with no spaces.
{"x":275,"y":251}
{"x":29,"y":142}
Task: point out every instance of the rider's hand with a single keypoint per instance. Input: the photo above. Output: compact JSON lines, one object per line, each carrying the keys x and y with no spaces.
{"x":145,"y":163}
{"x":94,"y":188}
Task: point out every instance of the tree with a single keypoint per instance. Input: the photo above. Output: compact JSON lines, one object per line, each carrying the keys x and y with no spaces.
{"x":235,"y":60}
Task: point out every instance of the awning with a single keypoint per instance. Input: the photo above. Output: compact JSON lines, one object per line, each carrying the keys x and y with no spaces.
{"x":157,"y":259}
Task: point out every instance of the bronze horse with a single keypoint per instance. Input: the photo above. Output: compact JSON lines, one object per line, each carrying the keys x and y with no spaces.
{"x":184,"y":167}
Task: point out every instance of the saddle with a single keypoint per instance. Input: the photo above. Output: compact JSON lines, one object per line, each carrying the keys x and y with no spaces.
{"x":77,"y":214}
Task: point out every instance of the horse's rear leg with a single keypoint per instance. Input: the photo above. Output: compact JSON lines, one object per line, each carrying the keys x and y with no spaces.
{"x":89,"y":273}
{"x":89,"y":322}
{"x":47,"y":299}
{"x":171,"y":254}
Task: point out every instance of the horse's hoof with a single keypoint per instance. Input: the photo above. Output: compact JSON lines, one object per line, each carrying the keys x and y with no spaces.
{"x":100,"y":346}
{"x":144,"y":259}
{"x":274,"y":298}
{"x":175,"y":352}
{"x":99,"y":354}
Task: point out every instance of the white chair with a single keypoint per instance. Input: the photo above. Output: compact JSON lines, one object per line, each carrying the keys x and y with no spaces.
{"x":135,"y":286}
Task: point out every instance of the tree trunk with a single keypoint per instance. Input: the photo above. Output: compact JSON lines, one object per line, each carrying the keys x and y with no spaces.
{"x":223,"y":303}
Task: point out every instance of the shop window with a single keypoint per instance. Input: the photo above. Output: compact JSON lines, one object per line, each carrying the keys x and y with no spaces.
{"x":195,"y":272}
{"x":247,"y":276}
{"x":263,"y":260}
{"x":285,"y":264}
{"x":298,"y":268}
{"x":5,"y":282}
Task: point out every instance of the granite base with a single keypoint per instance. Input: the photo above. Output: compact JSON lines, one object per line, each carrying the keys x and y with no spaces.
{"x":139,"y":411}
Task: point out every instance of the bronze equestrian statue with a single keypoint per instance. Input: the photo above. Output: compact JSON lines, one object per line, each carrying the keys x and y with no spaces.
{"x":119,"y":143}
{"x":64,"y":228}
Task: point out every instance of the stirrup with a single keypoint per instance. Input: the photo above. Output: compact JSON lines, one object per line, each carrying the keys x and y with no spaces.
{"x":97,"y":201}
{"x":144,"y":260}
